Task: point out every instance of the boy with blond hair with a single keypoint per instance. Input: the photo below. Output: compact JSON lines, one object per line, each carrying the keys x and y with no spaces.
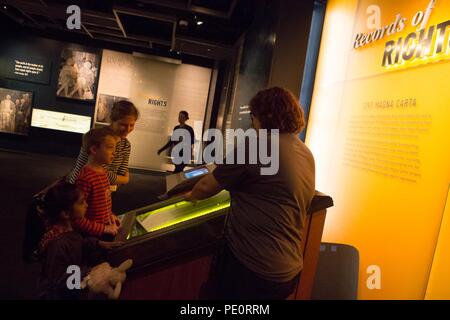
{"x":99,"y":220}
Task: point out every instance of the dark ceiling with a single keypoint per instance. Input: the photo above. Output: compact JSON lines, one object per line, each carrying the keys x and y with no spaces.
{"x":207,"y":28}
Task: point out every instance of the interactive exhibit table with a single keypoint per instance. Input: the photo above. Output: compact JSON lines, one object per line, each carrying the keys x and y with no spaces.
{"x":172,"y":242}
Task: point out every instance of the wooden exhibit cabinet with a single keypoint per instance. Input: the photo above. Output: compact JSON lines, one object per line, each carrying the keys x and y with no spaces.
{"x":172,"y":261}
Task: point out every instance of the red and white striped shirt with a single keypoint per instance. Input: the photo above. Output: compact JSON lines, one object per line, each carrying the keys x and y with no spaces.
{"x":97,"y":193}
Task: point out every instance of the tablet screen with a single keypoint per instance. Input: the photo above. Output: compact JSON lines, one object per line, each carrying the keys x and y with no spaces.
{"x":195,"y":173}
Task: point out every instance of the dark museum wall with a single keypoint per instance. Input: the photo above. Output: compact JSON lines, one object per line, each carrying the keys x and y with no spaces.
{"x":255,"y":60}
{"x":37,"y":47}
{"x":273,"y":54}
{"x":292,"y":34}
{"x":44,"y":95}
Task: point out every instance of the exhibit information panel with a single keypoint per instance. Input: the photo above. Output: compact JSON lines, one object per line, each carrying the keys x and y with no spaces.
{"x":379,"y":129}
{"x":27,"y":68}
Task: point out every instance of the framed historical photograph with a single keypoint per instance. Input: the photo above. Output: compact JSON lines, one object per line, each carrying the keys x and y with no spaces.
{"x":104,"y":106}
{"x":78,"y":74}
{"x":15,"y":111}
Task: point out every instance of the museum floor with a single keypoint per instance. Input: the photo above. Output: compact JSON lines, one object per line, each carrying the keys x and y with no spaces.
{"x":22,"y":175}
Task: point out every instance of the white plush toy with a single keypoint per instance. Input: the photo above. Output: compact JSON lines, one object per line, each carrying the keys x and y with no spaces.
{"x":105,"y":279}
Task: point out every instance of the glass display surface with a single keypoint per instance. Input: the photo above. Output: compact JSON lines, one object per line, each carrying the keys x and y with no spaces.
{"x":176,"y":213}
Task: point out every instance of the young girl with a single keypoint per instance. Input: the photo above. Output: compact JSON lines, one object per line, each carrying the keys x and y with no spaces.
{"x":61,"y":247}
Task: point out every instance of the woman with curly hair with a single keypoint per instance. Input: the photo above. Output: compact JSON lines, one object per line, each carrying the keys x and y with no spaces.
{"x":262,"y":257}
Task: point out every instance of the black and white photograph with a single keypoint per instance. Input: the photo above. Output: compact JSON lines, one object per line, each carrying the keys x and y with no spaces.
{"x":78,"y":75}
{"x":15,"y":111}
{"x":104,"y":106}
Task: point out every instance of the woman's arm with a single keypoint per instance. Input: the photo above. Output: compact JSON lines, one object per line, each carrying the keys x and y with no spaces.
{"x":122,"y":176}
{"x":122,"y":179}
{"x":205,"y":188}
{"x":81,"y":161}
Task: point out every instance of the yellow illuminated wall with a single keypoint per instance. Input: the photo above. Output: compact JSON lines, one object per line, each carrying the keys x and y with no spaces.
{"x":439,"y":281}
{"x":381,"y":139}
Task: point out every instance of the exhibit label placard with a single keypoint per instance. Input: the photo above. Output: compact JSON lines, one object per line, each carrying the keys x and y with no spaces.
{"x":60,"y":121}
{"x":32,"y":69}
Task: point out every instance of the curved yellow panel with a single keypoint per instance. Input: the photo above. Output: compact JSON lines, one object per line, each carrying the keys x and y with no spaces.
{"x":439,"y":282}
{"x":380,"y":137}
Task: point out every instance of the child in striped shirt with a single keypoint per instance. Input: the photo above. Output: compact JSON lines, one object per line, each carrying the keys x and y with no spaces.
{"x":99,"y":220}
{"x":123,"y":117}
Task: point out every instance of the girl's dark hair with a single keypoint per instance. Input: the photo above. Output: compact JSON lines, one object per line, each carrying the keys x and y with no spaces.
{"x":278,"y":108}
{"x":59,"y":198}
{"x":43,"y":211}
{"x":122,"y":109}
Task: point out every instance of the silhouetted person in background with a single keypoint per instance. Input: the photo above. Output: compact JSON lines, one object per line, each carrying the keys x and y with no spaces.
{"x":183,"y":116}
